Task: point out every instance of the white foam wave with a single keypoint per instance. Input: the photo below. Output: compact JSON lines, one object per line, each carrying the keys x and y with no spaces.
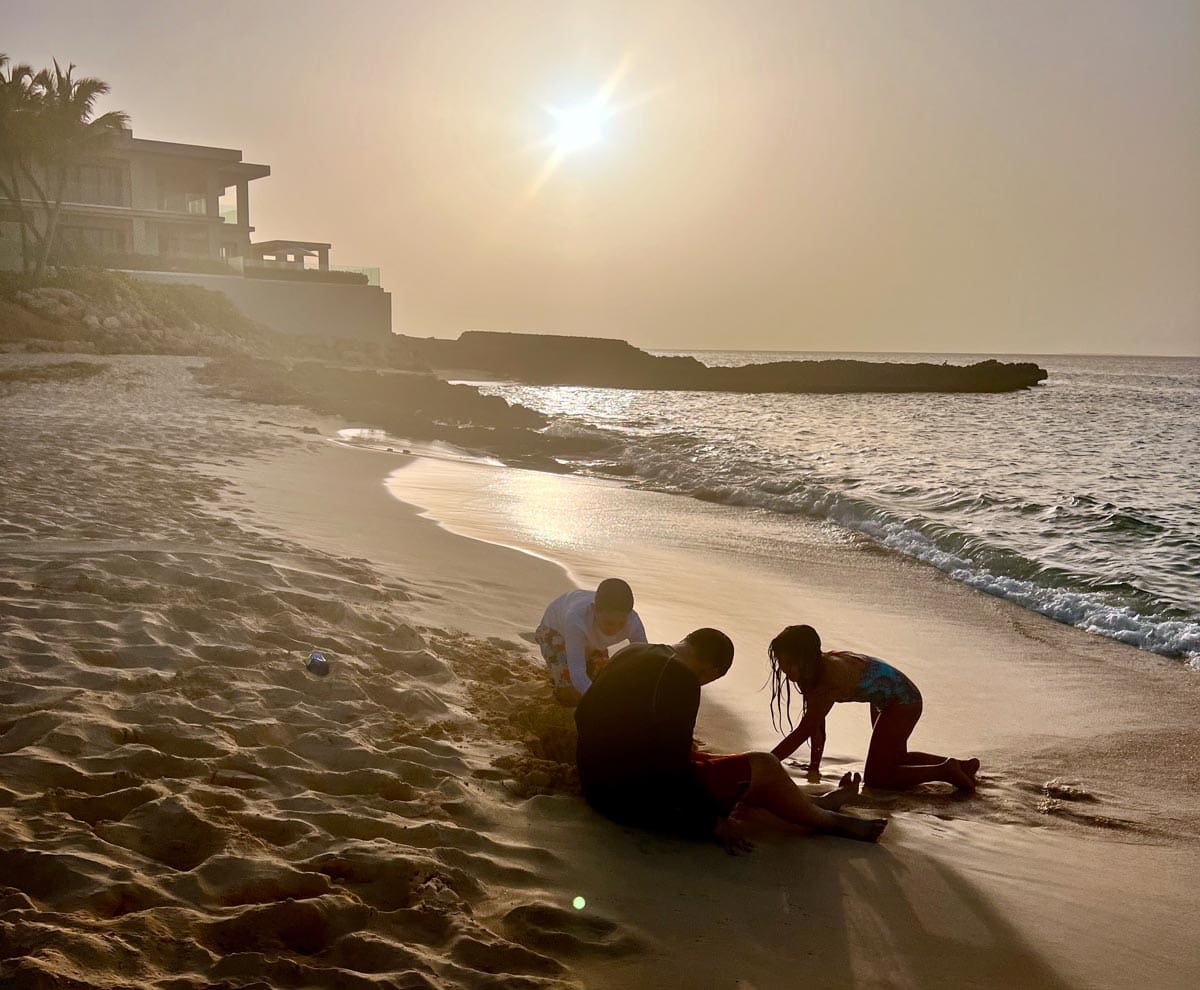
{"x":972,"y":561}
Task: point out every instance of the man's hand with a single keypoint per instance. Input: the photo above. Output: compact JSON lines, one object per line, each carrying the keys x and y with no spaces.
{"x":729,"y":834}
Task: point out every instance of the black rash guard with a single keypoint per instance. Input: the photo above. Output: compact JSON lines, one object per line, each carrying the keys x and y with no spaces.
{"x":635,"y":743}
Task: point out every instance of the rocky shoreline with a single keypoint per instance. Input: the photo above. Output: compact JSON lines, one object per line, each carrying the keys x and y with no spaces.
{"x":538,"y":359}
{"x":399,"y":384}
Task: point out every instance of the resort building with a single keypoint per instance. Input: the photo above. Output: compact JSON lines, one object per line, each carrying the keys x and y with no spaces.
{"x":181,"y":213}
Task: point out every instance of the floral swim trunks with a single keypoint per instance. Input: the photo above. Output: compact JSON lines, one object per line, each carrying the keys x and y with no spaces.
{"x":554,"y":652}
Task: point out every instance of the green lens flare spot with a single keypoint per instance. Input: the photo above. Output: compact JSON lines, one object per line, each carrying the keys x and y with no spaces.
{"x":579,"y":903}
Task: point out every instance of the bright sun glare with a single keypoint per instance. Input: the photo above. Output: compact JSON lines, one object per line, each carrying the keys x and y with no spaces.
{"x":579,"y":126}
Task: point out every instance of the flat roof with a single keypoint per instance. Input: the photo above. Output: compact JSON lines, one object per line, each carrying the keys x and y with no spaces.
{"x":244,"y":170}
{"x":231,"y":158}
{"x":177,"y":149}
{"x":270,"y":247}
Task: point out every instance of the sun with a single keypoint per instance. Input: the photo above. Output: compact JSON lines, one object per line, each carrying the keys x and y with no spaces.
{"x":579,"y":126}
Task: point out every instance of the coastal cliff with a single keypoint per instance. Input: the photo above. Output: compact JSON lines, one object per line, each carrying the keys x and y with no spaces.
{"x":539,"y":359}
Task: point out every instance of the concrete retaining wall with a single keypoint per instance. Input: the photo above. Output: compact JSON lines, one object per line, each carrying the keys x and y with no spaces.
{"x":317,"y":308}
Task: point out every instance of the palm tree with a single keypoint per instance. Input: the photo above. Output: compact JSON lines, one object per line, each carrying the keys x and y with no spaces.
{"x":64,"y":134}
{"x":19,"y":101}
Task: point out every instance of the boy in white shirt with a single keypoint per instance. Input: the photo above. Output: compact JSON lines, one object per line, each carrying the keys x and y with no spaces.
{"x":577,"y":630}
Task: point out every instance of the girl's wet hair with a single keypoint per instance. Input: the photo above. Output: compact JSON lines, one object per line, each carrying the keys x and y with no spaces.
{"x":796,"y":641}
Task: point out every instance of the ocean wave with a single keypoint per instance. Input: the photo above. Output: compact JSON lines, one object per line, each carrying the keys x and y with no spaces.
{"x":1119,"y":608}
{"x":1077,"y":502}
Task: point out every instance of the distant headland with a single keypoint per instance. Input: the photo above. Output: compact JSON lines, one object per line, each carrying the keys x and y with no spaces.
{"x":538,"y":359}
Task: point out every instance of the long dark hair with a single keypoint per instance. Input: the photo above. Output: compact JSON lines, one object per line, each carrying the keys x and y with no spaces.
{"x":803,"y":643}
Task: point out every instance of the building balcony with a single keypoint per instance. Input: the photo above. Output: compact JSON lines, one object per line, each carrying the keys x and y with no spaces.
{"x":80,"y":256}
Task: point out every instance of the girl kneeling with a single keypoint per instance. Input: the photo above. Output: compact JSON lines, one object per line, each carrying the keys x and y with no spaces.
{"x":825,"y":678}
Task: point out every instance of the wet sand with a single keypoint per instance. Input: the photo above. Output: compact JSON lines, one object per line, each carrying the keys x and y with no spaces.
{"x":1088,"y":746}
{"x":183,"y":805}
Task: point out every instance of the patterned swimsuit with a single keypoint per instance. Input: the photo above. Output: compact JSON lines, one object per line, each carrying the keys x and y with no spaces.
{"x":554,"y":651}
{"x":882,"y":685}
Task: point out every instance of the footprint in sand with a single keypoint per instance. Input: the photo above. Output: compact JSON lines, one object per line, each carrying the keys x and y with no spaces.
{"x":568,"y":934}
{"x":169,"y":831}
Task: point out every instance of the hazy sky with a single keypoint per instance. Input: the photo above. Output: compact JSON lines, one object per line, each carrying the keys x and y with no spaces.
{"x":905,"y":175}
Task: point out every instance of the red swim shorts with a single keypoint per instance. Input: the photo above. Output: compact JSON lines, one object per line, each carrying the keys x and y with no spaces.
{"x":726,"y":778}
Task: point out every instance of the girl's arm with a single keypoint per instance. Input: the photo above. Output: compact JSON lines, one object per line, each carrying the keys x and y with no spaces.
{"x":813,"y":718}
{"x":818,"y":750}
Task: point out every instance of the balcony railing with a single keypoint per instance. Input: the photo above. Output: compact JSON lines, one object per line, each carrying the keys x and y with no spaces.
{"x":254,"y":269}
{"x":194,"y":203}
{"x":74,"y":255}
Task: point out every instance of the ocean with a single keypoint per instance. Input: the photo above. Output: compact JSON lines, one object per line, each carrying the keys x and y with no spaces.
{"x":1078,"y":499}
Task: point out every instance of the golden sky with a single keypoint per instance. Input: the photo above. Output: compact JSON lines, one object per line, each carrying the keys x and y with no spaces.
{"x":1017,"y":177}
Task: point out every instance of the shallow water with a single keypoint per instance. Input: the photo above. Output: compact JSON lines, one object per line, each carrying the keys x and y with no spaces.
{"x":1077,"y":499}
{"x":992,"y":688}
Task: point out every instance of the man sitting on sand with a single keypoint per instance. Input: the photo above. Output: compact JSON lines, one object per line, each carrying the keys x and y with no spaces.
{"x":577,"y":630}
{"x":638,"y":764}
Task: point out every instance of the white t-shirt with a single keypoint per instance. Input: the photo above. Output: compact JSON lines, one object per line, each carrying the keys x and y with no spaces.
{"x":573,"y":616}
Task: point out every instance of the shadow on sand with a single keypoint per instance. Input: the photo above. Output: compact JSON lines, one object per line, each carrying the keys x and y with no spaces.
{"x":798,"y":911}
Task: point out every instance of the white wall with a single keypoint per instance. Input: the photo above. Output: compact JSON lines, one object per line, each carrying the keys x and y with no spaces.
{"x":317,"y":308}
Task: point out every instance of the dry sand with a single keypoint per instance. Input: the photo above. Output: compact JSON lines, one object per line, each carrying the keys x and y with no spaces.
{"x":183,"y":805}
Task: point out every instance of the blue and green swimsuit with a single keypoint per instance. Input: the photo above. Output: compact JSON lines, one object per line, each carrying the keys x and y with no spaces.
{"x":882,"y":685}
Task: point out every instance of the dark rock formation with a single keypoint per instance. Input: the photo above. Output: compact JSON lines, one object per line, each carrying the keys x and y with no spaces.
{"x":539,"y":359}
{"x":405,"y":404}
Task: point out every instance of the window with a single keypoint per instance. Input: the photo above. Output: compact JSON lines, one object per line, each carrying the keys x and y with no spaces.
{"x":93,"y":240}
{"x":182,"y":242}
{"x":182,"y":191}
{"x":100,"y":185}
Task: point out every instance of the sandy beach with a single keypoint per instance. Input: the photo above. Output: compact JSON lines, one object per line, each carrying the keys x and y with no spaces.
{"x":183,"y":805}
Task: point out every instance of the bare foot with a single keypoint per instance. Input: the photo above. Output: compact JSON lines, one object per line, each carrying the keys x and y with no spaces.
{"x":862,"y":829}
{"x":847,"y":790}
{"x":957,"y":775}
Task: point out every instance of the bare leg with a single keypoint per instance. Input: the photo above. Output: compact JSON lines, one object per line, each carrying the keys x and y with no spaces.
{"x":773,"y":790}
{"x":902,"y":777}
{"x":916,"y":759}
{"x":970,"y":767}
{"x":891,"y":767}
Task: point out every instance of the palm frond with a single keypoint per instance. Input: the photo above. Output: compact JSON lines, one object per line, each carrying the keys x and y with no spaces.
{"x":114,"y":120}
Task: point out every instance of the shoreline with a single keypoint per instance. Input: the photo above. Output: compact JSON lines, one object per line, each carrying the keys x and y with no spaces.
{"x":1109,"y":556}
{"x":1122,"y":763}
{"x":173,"y":782}
{"x":783,"y":561}
{"x":1024,"y":839}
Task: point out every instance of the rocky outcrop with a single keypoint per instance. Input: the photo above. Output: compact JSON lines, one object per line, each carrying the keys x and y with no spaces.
{"x":548,"y":360}
{"x":405,"y":404}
